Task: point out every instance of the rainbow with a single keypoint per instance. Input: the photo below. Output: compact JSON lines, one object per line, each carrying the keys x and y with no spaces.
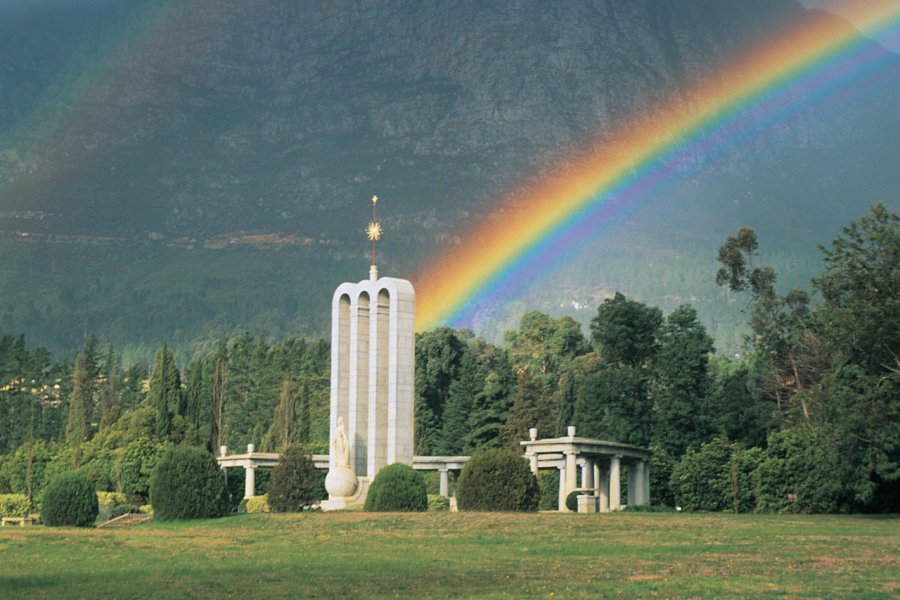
{"x":796,"y":71}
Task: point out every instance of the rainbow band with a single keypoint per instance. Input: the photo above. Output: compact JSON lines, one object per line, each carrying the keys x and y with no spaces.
{"x":815,"y":61}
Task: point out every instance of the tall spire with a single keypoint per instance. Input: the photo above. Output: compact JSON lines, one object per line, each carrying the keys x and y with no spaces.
{"x":374,"y":233}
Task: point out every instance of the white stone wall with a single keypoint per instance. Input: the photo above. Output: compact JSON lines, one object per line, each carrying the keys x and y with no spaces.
{"x":373,"y":371}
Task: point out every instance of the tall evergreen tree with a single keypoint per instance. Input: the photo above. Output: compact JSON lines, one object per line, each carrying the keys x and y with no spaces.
{"x":283,"y":430}
{"x":165,"y":391}
{"x":217,"y":436}
{"x":81,"y":404}
{"x":682,"y":416}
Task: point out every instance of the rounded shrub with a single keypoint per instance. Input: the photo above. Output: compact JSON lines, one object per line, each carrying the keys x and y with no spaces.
{"x":187,"y":483}
{"x":293,"y":483}
{"x":69,"y":499}
{"x":498,"y":479}
{"x":397,"y":488}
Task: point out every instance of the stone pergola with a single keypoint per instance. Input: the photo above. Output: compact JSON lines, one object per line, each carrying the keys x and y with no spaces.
{"x":601,"y":464}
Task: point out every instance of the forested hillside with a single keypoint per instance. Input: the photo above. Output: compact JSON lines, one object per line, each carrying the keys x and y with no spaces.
{"x":808,"y":420}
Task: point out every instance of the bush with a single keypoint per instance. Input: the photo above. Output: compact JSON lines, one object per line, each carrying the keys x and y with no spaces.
{"x":258,"y":504}
{"x":438,"y":503}
{"x":187,"y":483}
{"x":69,"y":499}
{"x":110,"y":499}
{"x":803,"y":472}
{"x":136,"y":464}
{"x":396,"y":488}
{"x":548,"y":483}
{"x":498,"y":479}
{"x":717,"y":477}
{"x":293,"y":483}
{"x":14,"y":505}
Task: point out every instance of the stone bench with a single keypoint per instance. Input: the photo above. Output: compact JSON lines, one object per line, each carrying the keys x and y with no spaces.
{"x":21,"y":521}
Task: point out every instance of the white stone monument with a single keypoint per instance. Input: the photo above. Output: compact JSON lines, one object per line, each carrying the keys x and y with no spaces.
{"x":372,"y":381}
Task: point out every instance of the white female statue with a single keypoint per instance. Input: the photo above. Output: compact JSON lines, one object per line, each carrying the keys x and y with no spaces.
{"x":340,"y":446}
{"x":341,"y":481}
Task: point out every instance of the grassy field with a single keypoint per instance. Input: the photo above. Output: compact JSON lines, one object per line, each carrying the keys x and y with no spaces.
{"x":464,"y":555}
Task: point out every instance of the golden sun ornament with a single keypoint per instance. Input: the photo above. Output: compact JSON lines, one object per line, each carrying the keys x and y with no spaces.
{"x":374,"y":231}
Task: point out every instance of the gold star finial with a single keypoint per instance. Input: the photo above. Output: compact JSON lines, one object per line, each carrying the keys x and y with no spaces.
{"x":374,"y":228}
{"x":374,"y":231}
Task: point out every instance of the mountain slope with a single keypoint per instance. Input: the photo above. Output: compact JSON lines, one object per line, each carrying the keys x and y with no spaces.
{"x":163,"y":132}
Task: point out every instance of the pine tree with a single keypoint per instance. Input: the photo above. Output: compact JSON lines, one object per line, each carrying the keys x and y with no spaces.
{"x":165,"y":391}
{"x":81,"y":404}
{"x":283,"y":431}
{"x":217,"y":406}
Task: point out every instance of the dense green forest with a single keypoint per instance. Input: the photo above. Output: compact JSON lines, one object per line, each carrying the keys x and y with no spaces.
{"x":806,"y":419}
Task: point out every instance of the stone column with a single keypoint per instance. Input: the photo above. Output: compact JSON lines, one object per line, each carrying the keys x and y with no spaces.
{"x":587,"y":474}
{"x":445,"y":482}
{"x":249,"y":481}
{"x":615,"y":483}
{"x":562,"y":489}
{"x":596,"y":479}
{"x":639,"y":492}
{"x":646,"y":482}
{"x":632,"y":484}
{"x":571,"y":472}
{"x":603,"y":481}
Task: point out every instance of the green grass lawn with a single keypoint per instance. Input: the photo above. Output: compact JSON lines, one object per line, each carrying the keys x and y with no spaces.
{"x":464,"y":555}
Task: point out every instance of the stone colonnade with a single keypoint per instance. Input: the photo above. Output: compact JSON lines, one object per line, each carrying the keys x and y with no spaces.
{"x":601,"y":465}
{"x":251,"y":461}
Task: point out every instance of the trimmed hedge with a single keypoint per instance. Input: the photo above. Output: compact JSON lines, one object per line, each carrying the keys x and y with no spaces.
{"x":293,"y":483}
{"x":397,"y":488}
{"x":187,"y":483}
{"x":498,"y":479}
{"x":14,"y":505}
{"x":69,"y":499}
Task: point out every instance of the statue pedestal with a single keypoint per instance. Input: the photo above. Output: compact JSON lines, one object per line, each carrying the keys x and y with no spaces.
{"x":344,"y":488}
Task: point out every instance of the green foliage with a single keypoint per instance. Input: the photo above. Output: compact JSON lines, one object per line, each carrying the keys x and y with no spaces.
{"x":681,"y":386}
{"x":69,"y":499}
{"x":661,"y":466}
{"x":861,"y":291}
{"x":258,"y":504}
{"x":165,"y":392}
{"x":624,"y":331}
{"x":187,"y":483}
{"x":14,"y":505}
{"x":437,"y":503}
{"x":293,"y":484}
{"x":111,"y":498}
{"x":548,"y":486}
{"x":803,"y":471}
{"x":137,"y":462}
{"x":498,"y":480}
{"x":397,"y":488}
{"x":716,"y":477}
{"x":543,"y":347}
